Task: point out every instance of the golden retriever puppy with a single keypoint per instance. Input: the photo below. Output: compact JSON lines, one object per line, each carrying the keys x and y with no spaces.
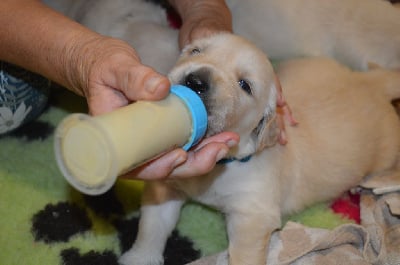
{"x":354,"y":32}
{"x":347,"y":130}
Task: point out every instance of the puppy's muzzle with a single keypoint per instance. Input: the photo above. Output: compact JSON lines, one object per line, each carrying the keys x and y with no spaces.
{"x":198,"y":81}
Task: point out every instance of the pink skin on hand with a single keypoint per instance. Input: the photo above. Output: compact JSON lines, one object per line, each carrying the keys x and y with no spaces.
{"x":180,"y":164}
{"x":284,"y":113}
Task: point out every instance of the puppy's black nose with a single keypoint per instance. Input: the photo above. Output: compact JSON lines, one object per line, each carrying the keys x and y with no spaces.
{"x":198,"y":82}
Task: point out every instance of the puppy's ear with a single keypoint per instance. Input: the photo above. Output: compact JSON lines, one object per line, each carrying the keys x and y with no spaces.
{"x":267,"y":130}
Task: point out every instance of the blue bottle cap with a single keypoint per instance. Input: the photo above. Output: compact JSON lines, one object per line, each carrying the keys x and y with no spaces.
{"x":197,"y":110}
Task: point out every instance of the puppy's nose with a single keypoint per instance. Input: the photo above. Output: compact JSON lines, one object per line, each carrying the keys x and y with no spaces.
{"x":198,"y":82}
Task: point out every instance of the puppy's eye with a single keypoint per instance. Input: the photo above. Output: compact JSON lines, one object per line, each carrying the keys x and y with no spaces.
{"x":195,"y":51}
{"x":245,"y":86}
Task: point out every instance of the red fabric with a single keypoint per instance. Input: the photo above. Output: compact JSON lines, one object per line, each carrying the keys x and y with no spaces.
{"x":348,"y":206}
{"x":174,"y":19}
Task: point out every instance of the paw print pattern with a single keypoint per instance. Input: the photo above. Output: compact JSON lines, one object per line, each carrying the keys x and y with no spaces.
{"x":178,"y":251}
{"x":57,"y":223}
{"x":72,"y":256}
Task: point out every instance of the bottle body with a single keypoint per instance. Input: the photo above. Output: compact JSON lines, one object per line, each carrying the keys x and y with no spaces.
{"x":92,"y":151}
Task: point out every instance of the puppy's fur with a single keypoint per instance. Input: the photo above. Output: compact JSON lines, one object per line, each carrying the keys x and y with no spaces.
{"x":347,"y":130}
{"x":347,"y":127}
{"x":354,"y":32}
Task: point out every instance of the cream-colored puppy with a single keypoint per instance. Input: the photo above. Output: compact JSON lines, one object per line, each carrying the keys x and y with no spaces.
{"x":347,"y":127}
{"x":347,"y":130}
{"x":354,"y":32}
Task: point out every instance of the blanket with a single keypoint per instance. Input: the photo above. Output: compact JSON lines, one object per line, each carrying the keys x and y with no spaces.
{"x":45,"y":221}
{"x":376,"y":241}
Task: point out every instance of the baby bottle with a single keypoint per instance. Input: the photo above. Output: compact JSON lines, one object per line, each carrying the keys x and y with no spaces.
{"x":92,"y":152}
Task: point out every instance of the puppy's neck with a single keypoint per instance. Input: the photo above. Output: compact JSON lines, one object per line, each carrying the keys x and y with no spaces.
{"x":229,"y":160}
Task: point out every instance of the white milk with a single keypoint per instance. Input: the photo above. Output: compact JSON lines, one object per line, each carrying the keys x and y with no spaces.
{"x":92,"y":151}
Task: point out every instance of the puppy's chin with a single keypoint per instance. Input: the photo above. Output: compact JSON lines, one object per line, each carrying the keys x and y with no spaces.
{"x":217,"y":122}
{"x":213,"y":131}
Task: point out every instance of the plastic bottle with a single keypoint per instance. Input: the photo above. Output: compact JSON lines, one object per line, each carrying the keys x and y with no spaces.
{"x":92,"y":152}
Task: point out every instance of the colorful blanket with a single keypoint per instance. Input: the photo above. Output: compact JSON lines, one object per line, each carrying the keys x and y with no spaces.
{"x":45,"y":221}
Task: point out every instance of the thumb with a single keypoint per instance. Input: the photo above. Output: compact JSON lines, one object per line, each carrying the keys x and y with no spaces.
{"x":140,"y":82}
{"x":124,"y":85}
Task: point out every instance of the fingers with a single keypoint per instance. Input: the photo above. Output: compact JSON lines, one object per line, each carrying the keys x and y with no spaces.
{"x":282,"y":138}
{"x":159,"y":168}
{"x":123,"y":71}
{"x":231,"y":139}
{"x":280,"y":99}
{"x":116,"y":77}
{"x":202,"y":18}
{"x":181,"y":164}
{"x":284,"y":113}
{"x":201,"y":161}
{"x":105,"y":100}
{"x":140,"y":82}
{"x":124,"y":86}
{"x":285,"y":110}
{"x":204,"y":157}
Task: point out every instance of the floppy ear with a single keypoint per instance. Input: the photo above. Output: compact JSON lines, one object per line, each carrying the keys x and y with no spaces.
{"x":267,"y":130}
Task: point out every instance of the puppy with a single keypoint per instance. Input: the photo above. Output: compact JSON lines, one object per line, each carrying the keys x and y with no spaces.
{"x":347,"y":130}
{"x":354,"y":32}
{"x":347,"y":127}
{"x":140,"y":23}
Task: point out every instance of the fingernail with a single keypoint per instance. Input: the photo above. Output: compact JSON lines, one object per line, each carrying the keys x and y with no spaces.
{"x":153,"y":83}
{"x":231,"y":143}
{"x":158,"y":87}
{"x":221,"y":154}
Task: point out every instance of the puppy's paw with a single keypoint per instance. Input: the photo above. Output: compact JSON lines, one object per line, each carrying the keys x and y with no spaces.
{"x":135,"y":257}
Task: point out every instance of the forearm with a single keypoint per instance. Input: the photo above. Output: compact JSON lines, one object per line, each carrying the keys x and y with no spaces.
{"x":41,"y":40}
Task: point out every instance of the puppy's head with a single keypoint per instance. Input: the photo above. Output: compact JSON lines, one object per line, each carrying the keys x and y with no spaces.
{"x":235,"y":80}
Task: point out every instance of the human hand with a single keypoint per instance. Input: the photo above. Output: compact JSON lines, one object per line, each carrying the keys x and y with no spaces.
{"x":108,"y":72}
{"x":112,"y":76}
{"x":180,"y":164}
{"x":284,"y":112}
{"x":105,"y":70}
{"x":201,"y":19}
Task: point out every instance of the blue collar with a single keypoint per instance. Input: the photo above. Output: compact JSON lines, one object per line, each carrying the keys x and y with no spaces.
{"x":231,"y":159}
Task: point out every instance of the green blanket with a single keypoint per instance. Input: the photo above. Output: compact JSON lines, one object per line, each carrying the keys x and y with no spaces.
{"x":45,"y":221}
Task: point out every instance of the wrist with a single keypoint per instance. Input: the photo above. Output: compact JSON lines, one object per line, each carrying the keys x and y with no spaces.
{"x":91,"y":59}
{"x":76,"y":61}
{"x":216,"y":10}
